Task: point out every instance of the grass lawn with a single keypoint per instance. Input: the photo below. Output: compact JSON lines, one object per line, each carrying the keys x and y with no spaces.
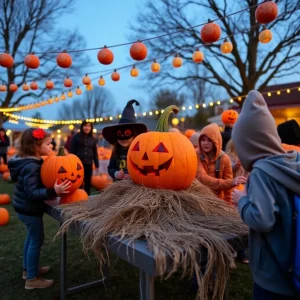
{"x":123,"y":280}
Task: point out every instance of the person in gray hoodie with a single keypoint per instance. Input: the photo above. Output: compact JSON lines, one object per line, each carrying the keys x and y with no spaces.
{"x":266,"y":205}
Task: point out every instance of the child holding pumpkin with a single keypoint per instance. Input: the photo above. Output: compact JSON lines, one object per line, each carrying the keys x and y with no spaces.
{"x":28,"y":201}
{"x":214,"y":166}
{"x":121,"y":136}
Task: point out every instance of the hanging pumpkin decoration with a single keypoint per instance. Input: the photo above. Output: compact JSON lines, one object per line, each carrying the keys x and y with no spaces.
{"x":210,"y":32}
{"x":101,"y":81}
{"x":78,"y":91}
{"x":226,"y":47}
{"x":162,"y":159}
{"x":3,"y":88}
{"x":4,"y":198}
{"x":64,"y":60}
{"x":56,"y":99}
{"x":86,"y":79}
{"x":49,"y":84}
{"x":34,"y":86}
{"x":4,"y":216}
{"x":138,"y":51}
{"x":105,"y":56}
{"x":31,"y":61}
{"x":155,"y":66}
{"x":43,"y":103}
{"x":115,"y":76}
{"x":76,"y":196}
{"x":177,"y":61}
{"x":51,"y":101}
{"x":68,"y":82}
{"x":25,"y":87}
{"x":266,"y":12}
{"x":198,"y":56}
{"x":134,"y":72}
{"x":89,"y":87}
{"x":63,"y":96}
{"x":62,"y":167}
{"x":70,"y":94}
{"x":13,"y":87}
{"x":265,"y":36}
{"x":229,"y":116}
{"x":6,"y":60}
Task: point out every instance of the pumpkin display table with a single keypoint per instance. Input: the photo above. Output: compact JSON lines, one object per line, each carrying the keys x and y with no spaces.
{"x":137,"y":254}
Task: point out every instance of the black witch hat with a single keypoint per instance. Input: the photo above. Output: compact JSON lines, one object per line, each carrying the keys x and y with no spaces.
{"x":289,"y":132}
{"x":127,"y":127}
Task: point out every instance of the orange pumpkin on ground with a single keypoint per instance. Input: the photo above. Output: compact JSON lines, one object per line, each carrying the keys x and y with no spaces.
{"x":189,"y":132}
{"x":76,"y":196}
{"x":6,"y":176}
{"x":3,"y":168}
{"x":62,"y":167}
{"x":229,"y":116}
{"x":4,"y":216}
{"x":162,"y":159}
{"x":4,"y":199}
{"x":100,"y":181}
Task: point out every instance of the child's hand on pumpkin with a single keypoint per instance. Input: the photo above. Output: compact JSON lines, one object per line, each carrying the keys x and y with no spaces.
{"x":126,"y":176}
{"x":119,"y":174}
{"x":63,"y":187}
{"x":239,"y":180}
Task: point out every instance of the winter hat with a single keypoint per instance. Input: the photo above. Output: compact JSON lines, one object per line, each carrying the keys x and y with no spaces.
{"x":289,"y":132}
{"x":127,"y":127}
{"x":255,"y":134}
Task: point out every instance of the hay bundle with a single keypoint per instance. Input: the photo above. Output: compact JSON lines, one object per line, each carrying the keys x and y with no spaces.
{"x":174,"y":223}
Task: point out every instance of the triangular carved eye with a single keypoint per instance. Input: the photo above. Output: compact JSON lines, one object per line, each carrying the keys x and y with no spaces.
{"x":78,"y":167}
{"x":161,"y":148}
{"x":62,"y":170}
{"x":136,"y":147}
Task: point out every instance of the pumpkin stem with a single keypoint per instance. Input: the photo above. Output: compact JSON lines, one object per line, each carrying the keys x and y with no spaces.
{"x":61,"y":151}
{"x":162,"y":124}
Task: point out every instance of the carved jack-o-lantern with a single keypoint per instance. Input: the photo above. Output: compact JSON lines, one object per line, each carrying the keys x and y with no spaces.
{"x":62,"y":167}
{"x":162,"y":159}
{"x":229,"y":116}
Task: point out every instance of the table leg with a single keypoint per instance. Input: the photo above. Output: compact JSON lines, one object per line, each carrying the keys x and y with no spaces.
{"x":63,"y":266}
{"x":146,"y":286}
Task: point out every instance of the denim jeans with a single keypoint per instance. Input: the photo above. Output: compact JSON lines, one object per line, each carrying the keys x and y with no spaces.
{"x":33,"y":243}
{"x":262,"y":294}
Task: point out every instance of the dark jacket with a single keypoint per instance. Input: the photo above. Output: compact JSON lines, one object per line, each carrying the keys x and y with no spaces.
{"x":4,"y":143}
{"x":117,"y":162}
{"x":85,"y":147}
{"x":226,"y":137}
{"x":29,"y":192}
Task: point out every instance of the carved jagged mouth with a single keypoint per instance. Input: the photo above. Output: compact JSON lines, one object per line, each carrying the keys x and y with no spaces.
{"x":73,"y":181}
{"x":231,"y":119}
{"x":150,"y":169}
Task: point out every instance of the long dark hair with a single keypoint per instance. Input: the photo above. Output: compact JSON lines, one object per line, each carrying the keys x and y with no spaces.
{"x":84,"y":123}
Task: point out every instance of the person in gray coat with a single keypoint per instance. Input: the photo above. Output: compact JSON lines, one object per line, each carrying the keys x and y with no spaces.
{"x":266,"y":205}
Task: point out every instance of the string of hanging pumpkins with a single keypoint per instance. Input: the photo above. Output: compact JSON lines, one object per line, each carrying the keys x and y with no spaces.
{"x":210,"y":33}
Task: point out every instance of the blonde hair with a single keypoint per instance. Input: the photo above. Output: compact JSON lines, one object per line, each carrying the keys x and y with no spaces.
{"x":230,"y":150}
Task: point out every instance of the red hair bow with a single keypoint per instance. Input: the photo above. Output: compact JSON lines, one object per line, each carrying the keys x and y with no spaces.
{"x":38,"y":133}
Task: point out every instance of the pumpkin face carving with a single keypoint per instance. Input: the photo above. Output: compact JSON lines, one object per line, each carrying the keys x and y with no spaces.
{"x":62,"y":167}
{"x":229,"y":116}
{"x":162,"y":159}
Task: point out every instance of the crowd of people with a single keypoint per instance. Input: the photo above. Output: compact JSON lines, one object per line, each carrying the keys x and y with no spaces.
{"x":246,"y":165}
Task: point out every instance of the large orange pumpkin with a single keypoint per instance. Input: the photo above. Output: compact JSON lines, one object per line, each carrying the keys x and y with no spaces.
{"x":229,"y":116}
{"x":64,"y":60}
{"x":6,"y":60}
{"x":62,"y":167}
{"x":266,"y":12}
{"x":189,"y":132}
{"x":162,"y":159}
{"x":138,"y":51}
{"x":76,"y":196}
{"x":100,"y":181}
{"x":31,"y":61}
{"x":3,"y":168}
{"x":34,"y":86}
{"x":210,"y":32}
{"x":4,"y":216}
{"x":4,"y":199}
{"x":115,"y":76}
{"x":13,"y":87}
{"x":105,"y":56}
